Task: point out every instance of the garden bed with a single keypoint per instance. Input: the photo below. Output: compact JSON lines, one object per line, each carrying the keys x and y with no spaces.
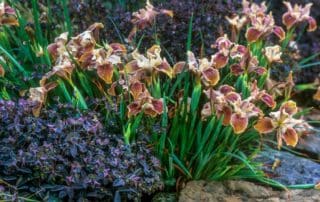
{"x":129,"y":101}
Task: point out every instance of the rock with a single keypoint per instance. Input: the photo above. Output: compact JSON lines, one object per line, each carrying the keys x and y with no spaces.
{"x":242,"y":191}
{"x":292,"y":169}
{"x":310,"y":145}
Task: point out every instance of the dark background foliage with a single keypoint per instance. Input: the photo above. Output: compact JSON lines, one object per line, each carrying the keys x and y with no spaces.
{"x":68,"y":155}
{"x":208,"y":23}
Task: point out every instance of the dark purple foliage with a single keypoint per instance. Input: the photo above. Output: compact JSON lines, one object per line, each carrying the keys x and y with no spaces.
{"x":69,"y":155}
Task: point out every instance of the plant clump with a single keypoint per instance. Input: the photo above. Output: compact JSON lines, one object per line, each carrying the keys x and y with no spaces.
{"x":65,"y":154}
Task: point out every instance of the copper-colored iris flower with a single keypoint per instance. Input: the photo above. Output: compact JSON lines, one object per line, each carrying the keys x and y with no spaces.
{"x":297,"y":14}
{"x":145,"y":17}
{"x":218,"y":103}
{"x":262,"y":95}
{"x":145,"y":67}
{"x":8,"y":15}
{"x":236,"y":112}
{"x":39,"y":95}
{"x":103,"y":60}
{"x":143,"y":101}
{"x":247,"y":63}
{"x":82,"y":49}
{"x":273,"y":53}
{"x":204,"y":70}
{"x":253,"y":10}
{"x":262,"y":26}
{"x":283,"y":123}
{"x":243,"y":111}
{"x":221,"y":58}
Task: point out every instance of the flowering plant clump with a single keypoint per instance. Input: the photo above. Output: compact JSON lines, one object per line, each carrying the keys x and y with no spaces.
{"x":197,"y":102}
{"x":67,"y":154}
{"x":204,"y":114}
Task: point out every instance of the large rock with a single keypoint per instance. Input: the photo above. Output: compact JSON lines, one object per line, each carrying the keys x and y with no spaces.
{"x":291,"y":169}
{"x":242,"y":191}
{"x":310,"y":145}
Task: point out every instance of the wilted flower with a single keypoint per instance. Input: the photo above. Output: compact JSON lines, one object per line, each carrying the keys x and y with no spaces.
{"x":8,"y":15}
{"x":283,"y":123}
{"x":237,"y":21}
{"x":145,"y":17}
{"x":273,"y":53}
{"x":58,"y":47}
{"x":298,"y":14}
{"x":39,"y":95}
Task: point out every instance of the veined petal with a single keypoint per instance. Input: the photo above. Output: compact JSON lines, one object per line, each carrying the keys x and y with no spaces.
{"x":225,"y":89}
{"x":289,"y":107}
{"x":206,"y":111}
{"x":154,"y":51}
{"x":112,"y":90}
{"x":105,"y":72}
{"x":288,"y":20}
{"x":312,"y":24}
{"x":239,"y":123}
{"x":53,"y":50}
{"x":253,"y":34}
{"x":136,"y":89}
{"x":164,"y":67}
{"x":290,"y":137}
{"x":220,"y":60}
{"x":211,"y":76}
{"x":237,"y":69}
{"x":260,"y":70}
{"x":134,"y":108}
{"x":157,"y":105}
{"x":277,"y":30}
{"x":268,"y":100}
{"x":264,"y":125}
{"x":131,"y":67}
{"x":233,"y":97}
{"x":226,"y":111}
{"x":118,"y":48}
{"x":148,"y":109}
{"x":179,"y":67}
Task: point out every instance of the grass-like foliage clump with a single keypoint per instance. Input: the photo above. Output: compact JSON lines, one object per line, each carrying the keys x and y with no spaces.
{"x":204,"y":115}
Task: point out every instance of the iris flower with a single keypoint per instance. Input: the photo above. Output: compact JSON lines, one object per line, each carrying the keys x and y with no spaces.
{"x":297,"y":14}
{"x":283,"y":122}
